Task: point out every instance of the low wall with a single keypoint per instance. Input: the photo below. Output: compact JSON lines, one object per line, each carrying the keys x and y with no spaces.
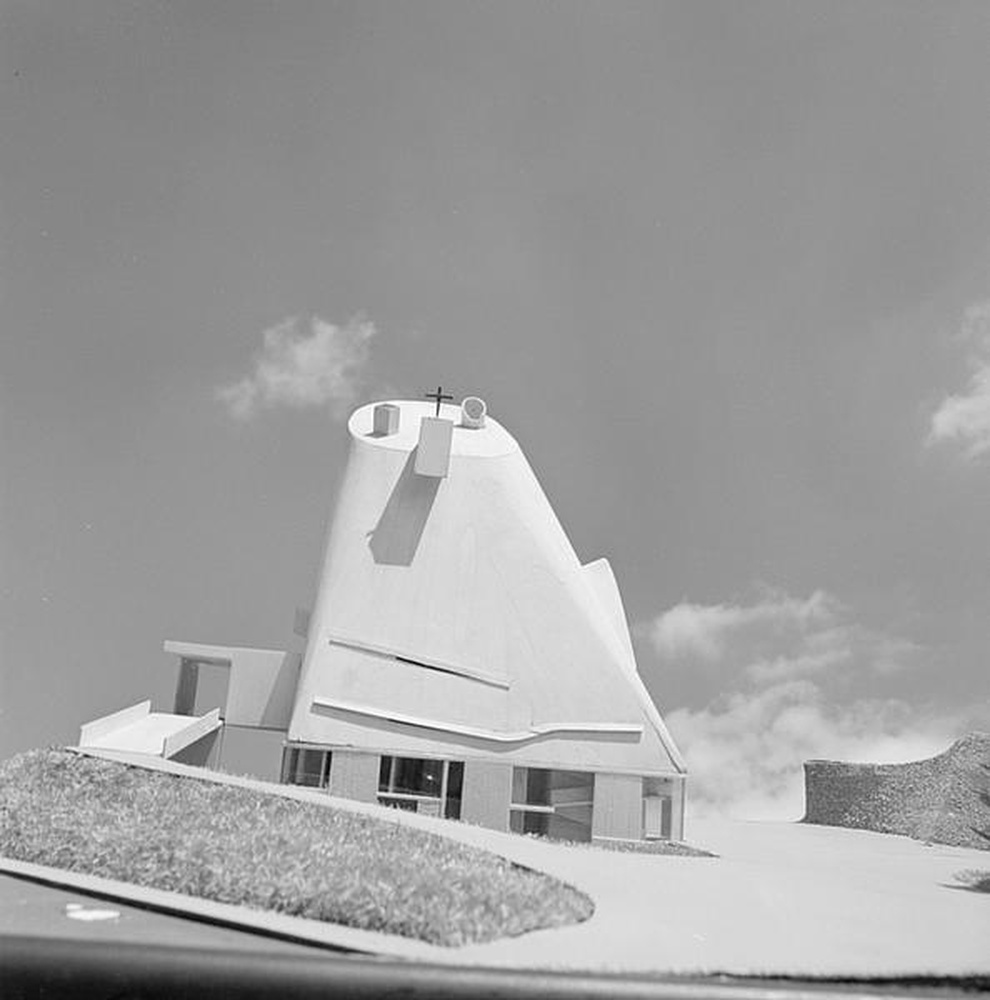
{"x":944,"y":799}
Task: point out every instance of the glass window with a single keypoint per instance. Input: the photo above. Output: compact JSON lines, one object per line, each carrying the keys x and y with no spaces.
{"x":308,"y":767}
{"x":431,"y":787}
{"x":530,"y":786}
{"x":555,"y":804}
{"x":417,"y":777}
{"x":521,"y":821}
{"x":455,"y":787}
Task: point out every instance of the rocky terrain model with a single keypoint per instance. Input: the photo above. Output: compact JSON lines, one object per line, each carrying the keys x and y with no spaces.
{"x":944,"y":799}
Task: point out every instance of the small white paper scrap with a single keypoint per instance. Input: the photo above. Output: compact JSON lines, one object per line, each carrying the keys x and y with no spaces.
{"x":76,"y":911}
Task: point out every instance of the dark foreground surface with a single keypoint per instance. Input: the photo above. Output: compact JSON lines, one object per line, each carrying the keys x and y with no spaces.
{"x":44,"y":913}
{"x":46,"y":967}
{"x":45,"y":952}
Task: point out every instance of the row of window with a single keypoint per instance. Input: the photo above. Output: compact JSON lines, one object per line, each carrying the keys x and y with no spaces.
{"x":556,"y":804}
{"x":433,"y":787}
{"x":417,"y":784}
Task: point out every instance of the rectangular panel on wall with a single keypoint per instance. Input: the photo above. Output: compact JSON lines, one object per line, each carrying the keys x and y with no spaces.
{"x":486,"y":793}
{"x":262,"y":688}
{"x":185,"y":689}
{"x":354,"y":775}
{"x":618,"y":808}
{"x":433,"y":451}
{"x":252,"y":751}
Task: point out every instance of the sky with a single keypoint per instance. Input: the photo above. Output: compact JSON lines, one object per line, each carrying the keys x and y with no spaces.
{"x":723,"y":269}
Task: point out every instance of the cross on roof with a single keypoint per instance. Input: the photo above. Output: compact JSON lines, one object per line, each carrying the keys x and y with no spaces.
{"x":439,"y":395}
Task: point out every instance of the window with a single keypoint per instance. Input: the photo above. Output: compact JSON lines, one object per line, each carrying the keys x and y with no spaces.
{"x":555,"y":804}
{"x":304,"y":766}
{"x":455,"y":786}
{"x":432,"y":787}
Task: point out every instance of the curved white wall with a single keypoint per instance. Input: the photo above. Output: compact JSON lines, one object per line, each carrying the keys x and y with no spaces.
{"x":472,"y":576}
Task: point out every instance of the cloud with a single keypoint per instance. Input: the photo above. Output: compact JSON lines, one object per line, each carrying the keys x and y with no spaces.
{"x":303,"y":363}
{"x":964,"y":419}
{"x":781,"y":672}
{"x":745,"y":751}
{"x":774,"y":638}
{"x":706,"y":631}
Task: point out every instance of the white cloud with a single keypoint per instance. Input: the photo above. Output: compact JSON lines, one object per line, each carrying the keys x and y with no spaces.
{"x":745,"y":751}
{"x":774,"y":638}
{"x":781,"y":669}
{"x":706,"y":630}
{"x":964,"y":419}
{"x":303,"y":363}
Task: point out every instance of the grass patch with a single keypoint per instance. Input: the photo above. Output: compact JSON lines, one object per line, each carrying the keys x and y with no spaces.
{"x":667,"y":848}
{"x":235,"y":845}
{"x":976,"y":879}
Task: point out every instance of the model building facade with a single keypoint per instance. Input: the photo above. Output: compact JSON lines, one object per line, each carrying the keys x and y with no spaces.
{"x":460,"y":660}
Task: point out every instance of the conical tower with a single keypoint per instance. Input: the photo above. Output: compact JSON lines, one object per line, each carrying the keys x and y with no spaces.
{"x":460,"y":658}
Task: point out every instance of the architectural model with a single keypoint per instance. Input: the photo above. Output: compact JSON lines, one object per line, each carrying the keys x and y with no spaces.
{"x":460,"y":660}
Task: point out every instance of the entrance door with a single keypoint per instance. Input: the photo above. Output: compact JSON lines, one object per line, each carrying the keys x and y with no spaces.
{"x":656,"y":817}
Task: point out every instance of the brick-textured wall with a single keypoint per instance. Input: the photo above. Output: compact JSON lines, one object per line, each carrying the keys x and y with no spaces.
{"x":945,"y":799}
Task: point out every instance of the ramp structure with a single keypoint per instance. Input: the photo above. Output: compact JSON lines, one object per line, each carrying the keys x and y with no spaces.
{"x":137,"y":729}
{"x":460,"y":659}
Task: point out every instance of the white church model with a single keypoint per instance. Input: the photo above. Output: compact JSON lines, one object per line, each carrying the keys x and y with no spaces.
{"x":460,"y":661}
